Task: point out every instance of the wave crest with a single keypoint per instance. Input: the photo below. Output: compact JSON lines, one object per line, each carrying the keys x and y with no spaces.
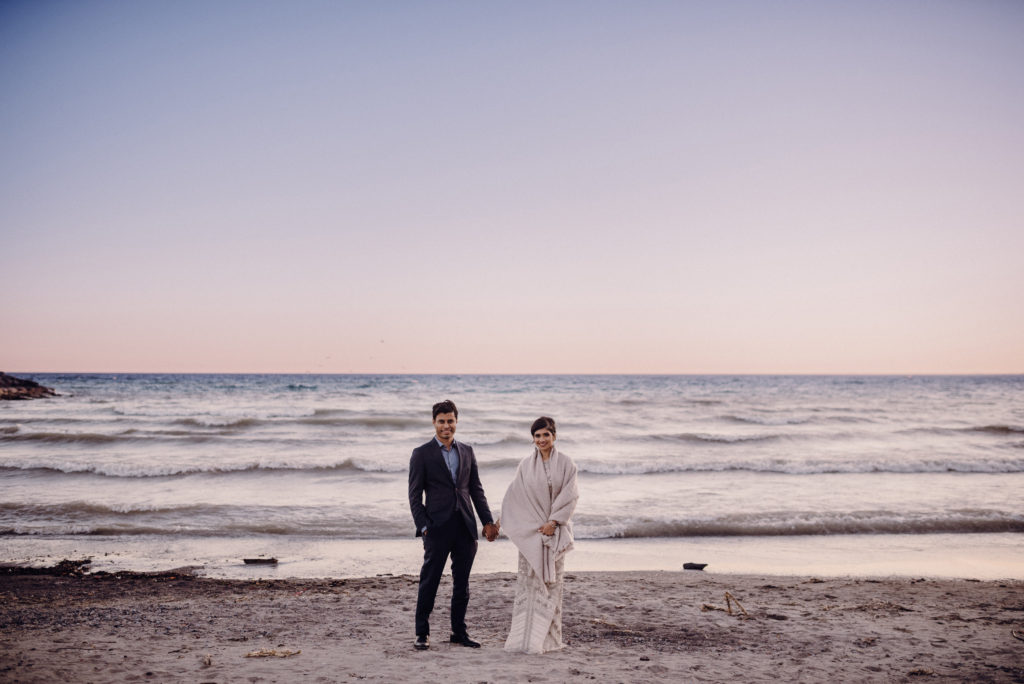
{"x":139,"y":471}
{"x":804,"y":524}
{"x":706,"y":438}
{"x":229,"y":423}
{"x":997,"y":429}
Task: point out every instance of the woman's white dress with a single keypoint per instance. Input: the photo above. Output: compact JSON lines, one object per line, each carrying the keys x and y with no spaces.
{"x":537,"y":611}
{"x":539,"y":492}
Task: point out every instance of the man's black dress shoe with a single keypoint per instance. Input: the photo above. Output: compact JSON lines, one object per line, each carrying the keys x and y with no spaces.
{"x":464,"y":640}
{"x":422,"y":642}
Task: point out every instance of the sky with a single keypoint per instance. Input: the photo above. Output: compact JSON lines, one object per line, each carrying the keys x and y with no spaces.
{"x":713,"y":186}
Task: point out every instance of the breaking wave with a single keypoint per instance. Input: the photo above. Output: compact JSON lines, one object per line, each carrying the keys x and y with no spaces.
{"x":787,"y":523}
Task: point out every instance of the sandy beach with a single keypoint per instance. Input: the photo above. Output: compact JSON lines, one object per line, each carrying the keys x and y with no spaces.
{"x":619,"y":627}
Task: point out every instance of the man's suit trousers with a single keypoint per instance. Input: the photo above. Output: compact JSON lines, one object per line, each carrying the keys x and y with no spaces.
{"x":450,"y":538}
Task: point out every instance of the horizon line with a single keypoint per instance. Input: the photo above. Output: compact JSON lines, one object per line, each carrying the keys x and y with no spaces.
{"x":538,"y":374}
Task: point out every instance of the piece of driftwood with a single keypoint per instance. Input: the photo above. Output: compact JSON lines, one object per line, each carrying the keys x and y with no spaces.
{"x":694,"y":566}
{"x":729,"y":600}
{"x":260,"y":561}
{"x":617,"y":629}
{"x":271,"y":653}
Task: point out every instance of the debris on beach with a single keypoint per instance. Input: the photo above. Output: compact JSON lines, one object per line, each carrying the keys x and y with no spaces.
{"x":694,"y":566}
{"x":613,"y":629}
{"x":260,"y":561}
{"x":729,"y":600}
{"x":271,"y":653}
{"x":65,"y":568}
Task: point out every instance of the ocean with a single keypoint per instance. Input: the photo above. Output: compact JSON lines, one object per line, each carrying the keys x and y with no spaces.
{"x":791,"y":474}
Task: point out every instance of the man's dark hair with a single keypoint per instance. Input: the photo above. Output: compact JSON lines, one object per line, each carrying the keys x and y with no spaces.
{"x":446,"y":406}
{"x":541,"y":423}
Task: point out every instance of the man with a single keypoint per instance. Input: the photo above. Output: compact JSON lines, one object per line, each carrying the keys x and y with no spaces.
{"x":445,"y":472}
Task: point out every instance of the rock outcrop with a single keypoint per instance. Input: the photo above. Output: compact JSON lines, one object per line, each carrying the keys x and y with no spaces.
{"x":17,"y":388}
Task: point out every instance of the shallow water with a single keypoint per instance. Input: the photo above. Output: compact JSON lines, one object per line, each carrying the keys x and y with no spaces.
{"x":978,"y":556}
{"x":279,"y":459}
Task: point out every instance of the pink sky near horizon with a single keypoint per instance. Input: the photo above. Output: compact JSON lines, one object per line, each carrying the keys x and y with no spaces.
{"x":653,"y":187}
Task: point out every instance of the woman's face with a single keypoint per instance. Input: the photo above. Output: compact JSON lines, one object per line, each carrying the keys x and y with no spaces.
{"x":543,"y":439}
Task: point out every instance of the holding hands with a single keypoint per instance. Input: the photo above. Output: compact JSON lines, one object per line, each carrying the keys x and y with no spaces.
{"x":491,"y":530}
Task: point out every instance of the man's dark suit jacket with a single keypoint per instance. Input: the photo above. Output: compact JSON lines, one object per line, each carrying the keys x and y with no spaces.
{"x":429,"y":473}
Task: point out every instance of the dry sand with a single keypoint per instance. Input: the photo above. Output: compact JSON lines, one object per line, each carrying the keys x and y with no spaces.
{"x":620,"y":627}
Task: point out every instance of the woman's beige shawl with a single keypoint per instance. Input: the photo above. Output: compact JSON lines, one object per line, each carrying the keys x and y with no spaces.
{"x":527,"y":506}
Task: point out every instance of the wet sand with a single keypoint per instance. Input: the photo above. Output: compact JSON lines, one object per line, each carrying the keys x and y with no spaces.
{"x":619,"y":627}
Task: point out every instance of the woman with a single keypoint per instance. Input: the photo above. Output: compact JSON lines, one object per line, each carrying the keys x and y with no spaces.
{"x":536,"y":515}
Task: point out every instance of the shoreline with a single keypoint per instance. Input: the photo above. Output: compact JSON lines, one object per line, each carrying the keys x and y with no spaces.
{"x":989,"y":556}
{"x":618,"y":626}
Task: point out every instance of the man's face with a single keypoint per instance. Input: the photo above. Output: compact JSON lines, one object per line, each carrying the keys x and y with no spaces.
{"x":444,"y":426}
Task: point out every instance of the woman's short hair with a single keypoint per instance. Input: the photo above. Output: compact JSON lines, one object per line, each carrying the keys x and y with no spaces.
{"x":541,"y":423}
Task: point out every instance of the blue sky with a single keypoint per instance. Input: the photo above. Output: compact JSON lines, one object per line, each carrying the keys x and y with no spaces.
{"x":531,"y":187}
